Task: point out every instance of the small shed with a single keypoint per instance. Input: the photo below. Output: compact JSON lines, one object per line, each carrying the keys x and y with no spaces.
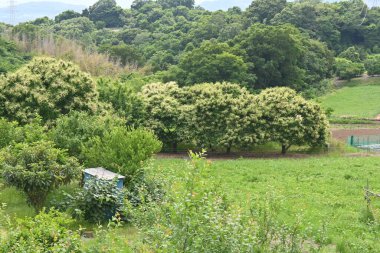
{"x":103,"y":174}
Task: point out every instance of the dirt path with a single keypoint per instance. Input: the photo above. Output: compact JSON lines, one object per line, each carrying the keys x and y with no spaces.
{"x":343,"y":134}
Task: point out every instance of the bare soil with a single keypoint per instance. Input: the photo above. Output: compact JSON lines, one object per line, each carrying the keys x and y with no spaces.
{"x":343,"y":134}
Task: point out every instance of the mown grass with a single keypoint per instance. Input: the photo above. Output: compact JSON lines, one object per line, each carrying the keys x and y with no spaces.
{"x":326,"y":192}
{"x":358,"y":98}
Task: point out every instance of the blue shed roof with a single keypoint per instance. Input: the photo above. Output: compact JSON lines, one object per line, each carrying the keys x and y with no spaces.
{"x":103,"y":173}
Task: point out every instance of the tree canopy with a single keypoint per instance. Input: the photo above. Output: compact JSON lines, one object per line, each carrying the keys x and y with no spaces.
{"x":46,"y":87}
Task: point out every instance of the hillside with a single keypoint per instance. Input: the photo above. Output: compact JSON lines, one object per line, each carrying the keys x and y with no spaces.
{"x":358,"y":98}
{"x":33,"y":10}
{"x":214,"y":5}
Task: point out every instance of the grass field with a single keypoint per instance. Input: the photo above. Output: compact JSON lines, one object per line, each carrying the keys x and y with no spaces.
{"x":326,"y":192}
{"x":357,"y":98}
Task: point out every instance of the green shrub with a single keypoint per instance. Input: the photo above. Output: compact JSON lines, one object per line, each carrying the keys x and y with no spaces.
{"x":45,"y":233}
{"x":97,"y":201}
{"x":11,"y":57}
{"x":74,"y":130}
{"x":37,"y":168}
{"x":123,"y":151}
{"x":123,"y":99}
{"x":197,"y":217}
{"x":47,"y":87}
{"x":291,"y":119}
{"x":346,"y":69}
{"x":372,"y":65}
{"x":8,"y":132}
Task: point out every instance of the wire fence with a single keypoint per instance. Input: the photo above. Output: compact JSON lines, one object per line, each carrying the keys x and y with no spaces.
{"x":368,"y":142}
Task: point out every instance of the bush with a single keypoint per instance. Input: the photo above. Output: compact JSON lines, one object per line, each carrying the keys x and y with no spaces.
{"x":291,"y":119}
{"x":8,"y":132}
{"x":97,"y":201}
{"x":222,"y":115}
{"x":74,"y":130}
{"x":346,"y":69}
{"x":36,"y":169}
{"x":164,"y":112}
{"x":123,"y":99}
{"x":46,"y":87}
{"x":198,"y":218}
{"x":11,"y":132}
{"x":122,"y":151}
{"x":47,"y":232}
{"x":372,"y":65}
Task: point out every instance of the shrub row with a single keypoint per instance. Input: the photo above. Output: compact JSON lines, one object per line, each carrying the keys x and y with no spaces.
{"x":227,"y":115}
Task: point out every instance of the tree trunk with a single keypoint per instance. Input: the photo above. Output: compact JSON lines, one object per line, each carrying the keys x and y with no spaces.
{"x":283,"y":149}
{"x":228,"y":151}
{"x":175,"y":146}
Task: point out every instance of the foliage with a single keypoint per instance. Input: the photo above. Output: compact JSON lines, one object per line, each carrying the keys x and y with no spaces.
{"x":11,"y":56}
{"x":106,"y":11}
{"x":8,"y":132}
{"x":165,"y":114}
{"x":46,"y":232}
{"x":69,"y":14}
{"x":211,"y":62}
{"x":11,"y":132}
{"x":47,"y":87}
{"x":97,"y":201}
{"x":126,"y":55}
{"x":176,"y":3}
{"x":288,"y":45}
{"x":346,"y":69}
{"x":293,"y":120}
{"x":222,"y":115}
{"x":73,"y":131}
{"x":264,"y":11}
{"x":278,"y":56}
{"x":197,"y":217}
{"x":372,"y":65}
{"x":36,"y":169}
{"x":124,"y":100}
{"x":351,"y":54}
{"x":121,"y":150}
{"x":76,"y":29}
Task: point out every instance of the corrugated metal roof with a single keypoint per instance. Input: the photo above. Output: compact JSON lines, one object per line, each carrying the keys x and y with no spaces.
{"x":103,"y":173}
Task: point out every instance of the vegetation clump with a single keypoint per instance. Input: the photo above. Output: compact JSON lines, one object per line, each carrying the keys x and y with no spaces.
{"x":36,"y":169}
{"x":47,"y":87}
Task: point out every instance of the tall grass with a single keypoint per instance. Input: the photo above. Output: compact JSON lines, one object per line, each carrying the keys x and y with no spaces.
{"x":88,"y":60}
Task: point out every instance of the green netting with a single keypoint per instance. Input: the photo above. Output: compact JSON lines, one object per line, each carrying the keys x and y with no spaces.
{"x":365,"y":141}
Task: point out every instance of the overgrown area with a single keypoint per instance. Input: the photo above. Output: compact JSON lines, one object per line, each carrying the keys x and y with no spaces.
{"x":124,"y":90}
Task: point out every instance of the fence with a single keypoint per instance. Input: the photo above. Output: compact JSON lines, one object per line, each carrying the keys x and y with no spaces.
{"x":369,"y":142}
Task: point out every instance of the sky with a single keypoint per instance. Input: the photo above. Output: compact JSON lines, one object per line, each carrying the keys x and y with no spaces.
{"x":123,"y":3}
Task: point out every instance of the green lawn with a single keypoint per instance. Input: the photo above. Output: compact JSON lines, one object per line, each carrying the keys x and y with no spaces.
{"x":323,"y":191}
{"x":357,"y":98}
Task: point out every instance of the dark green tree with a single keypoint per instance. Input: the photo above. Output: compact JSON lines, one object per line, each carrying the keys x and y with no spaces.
{"x":176,"y":3}
{"x":69,"y":14}
{"x":107,"y":11}
{"x":264,"y":11}
{"x":212,"y":62}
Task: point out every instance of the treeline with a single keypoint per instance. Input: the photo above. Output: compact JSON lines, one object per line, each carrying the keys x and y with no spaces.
{"x":271,"y":43}
{"x":214,"y":116}
{"x":223,"y":115}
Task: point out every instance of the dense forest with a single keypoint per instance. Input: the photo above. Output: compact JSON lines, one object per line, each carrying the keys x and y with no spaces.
{"x":271,"y":43}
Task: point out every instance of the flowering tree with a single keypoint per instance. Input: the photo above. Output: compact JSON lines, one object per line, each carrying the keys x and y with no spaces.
{"x":47,"y":87}
{"x":292,"y":120}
